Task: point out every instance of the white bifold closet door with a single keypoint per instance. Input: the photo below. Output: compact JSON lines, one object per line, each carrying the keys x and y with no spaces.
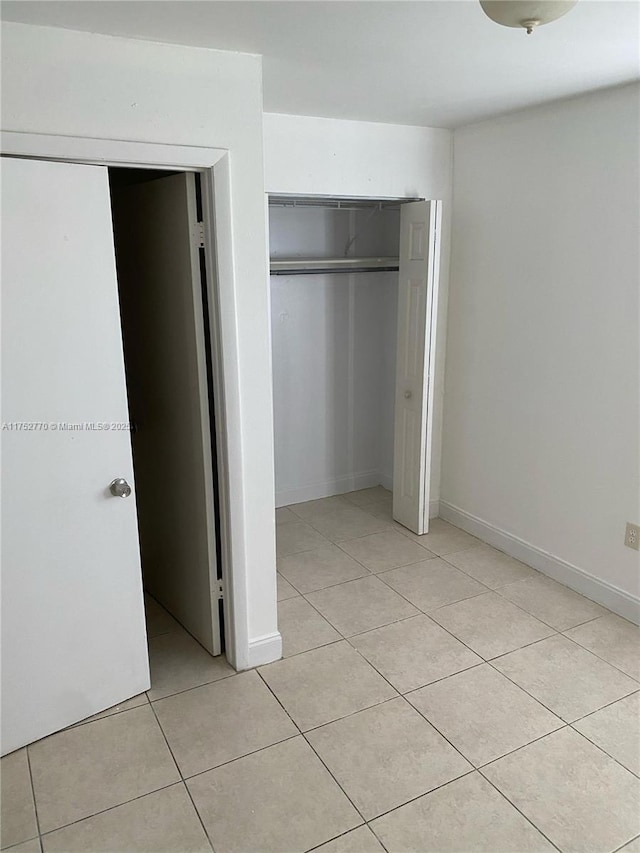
{"x":73,"y":629}
{"x":161,"y":291}
{"x":417,"y":312}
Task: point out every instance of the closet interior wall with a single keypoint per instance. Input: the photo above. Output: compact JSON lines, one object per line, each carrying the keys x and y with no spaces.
{"x":334,"y":353}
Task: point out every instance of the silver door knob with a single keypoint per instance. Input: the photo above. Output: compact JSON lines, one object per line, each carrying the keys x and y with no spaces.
{"x":408,"y":395}
{"x":119,"y":488}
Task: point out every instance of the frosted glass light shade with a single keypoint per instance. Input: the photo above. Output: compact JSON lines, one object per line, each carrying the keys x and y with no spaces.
{"x":526,"y":13}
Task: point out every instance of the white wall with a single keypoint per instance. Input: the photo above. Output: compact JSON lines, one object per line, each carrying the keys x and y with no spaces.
{"x":333,"y":380}
{"x":319,"y":156}
{"x":57,"y":81}
{"x":542,"y":387}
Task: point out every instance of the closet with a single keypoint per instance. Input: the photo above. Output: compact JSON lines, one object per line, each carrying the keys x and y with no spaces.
{"x":353,"y":306}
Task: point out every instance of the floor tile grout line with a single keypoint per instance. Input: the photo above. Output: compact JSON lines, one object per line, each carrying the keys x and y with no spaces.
{"x":330,"y":772}
{"x":398,"y":696}
{"x":522,"y":580}
{"x":347,"y":636}
{"x":419,"y":797}
{"x":310,"y":745}
{"x":585,"y":649}
{"x":431,"y":555}
{"x":182,"y":779}
{"x":555,"y":713}
{"x":443,"y":678}
{"x":430,"y":615}
{"x":336,"y":837}
{"x":394,"y":622}
{"x":377,"y":837}
{"x":329,"y":586}
{"x":385,"y":527}
{"x":539,"y":618}
{"x":104,"y":716}
{"x":425,"y":612}
{"x":351,"y":714}
{"x":193,"y":687}
{"x":406,"y":693}
{"x":525,"y":745}
{"x":593,"y":618}
{"x":33,"y":792}
{"x":524,"y":690}
{"x":340,"y":639}
{"x":602,"y":708}
{"x":563,"y":725}
{"x":496,"y":591}
{"x":622,"y":847}
{"x":528,"y":819}
{"x":602,"y":749}
{"x":226,"y":763}
{"x":409,"y":534}
{"x":13,"y":847}
{"x":111,"y":808}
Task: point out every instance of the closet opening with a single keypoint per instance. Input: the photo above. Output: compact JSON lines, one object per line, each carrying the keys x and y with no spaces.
{"x":160,"y":263}
{"x":354,"y":285}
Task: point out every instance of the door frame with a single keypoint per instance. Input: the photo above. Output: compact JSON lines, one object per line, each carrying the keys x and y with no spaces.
{"x":214,"y":166}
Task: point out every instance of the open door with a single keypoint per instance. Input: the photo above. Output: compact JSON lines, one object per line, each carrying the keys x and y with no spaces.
{"x":417,"y":312}
{"x":73,"y":629}
{"x":158,"y":253}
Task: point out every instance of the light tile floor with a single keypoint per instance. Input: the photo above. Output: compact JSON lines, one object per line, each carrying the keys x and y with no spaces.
{"x":434,"y":696}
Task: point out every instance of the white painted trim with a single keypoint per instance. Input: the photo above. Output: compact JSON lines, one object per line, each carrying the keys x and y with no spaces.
{"x":109,"y":152}
{"x":339,"y":486}
{"x":434,"y":509}
{"x":264,"y":650}
{"x":596,"y":589}
{"x":214,"y":165}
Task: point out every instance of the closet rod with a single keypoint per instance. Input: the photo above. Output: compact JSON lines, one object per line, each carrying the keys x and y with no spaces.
{"x":318,"y":266}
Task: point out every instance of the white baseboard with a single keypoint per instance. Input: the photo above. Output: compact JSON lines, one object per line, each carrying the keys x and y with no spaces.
{"x":339,"y":486}
{"x":264,"y":650}
{"x":385,"y":480}
{"x":434,"y":509}
{"x":596,"y":589}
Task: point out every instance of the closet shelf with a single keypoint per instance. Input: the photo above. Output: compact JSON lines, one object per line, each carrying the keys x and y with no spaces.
{"x":316,"y":266}
{"x":339,"y":202}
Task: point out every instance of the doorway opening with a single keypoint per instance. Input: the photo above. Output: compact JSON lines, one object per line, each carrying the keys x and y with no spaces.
{"x":162,"y":282}
{"x":354,"y":285}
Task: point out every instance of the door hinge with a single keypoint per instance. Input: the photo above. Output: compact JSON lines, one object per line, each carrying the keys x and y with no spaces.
{"x":198,"y":235}
{"x":219,"y":589}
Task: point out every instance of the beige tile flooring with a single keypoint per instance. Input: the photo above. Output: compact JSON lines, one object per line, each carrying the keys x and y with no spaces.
{"x":434,"y":695}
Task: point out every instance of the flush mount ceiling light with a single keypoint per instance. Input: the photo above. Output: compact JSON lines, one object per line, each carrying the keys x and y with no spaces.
{"x":528,"y":14}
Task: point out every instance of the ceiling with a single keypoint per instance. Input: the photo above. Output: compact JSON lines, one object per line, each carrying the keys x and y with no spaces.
{"x":438,"y":63}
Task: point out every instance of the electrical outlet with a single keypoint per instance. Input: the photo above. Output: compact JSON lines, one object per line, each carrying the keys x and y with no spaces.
{"x":632,"y":536}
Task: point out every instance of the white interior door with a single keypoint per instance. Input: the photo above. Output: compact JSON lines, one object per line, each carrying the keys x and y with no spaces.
{"x":158,"y":258}
{"x":417,"y":311}
{"x":73,"y":629}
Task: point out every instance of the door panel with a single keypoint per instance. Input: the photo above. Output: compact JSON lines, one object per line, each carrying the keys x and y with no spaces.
{"x":160,"y":290}
{"x":417,"y":310}
{"x":73,"y":631}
